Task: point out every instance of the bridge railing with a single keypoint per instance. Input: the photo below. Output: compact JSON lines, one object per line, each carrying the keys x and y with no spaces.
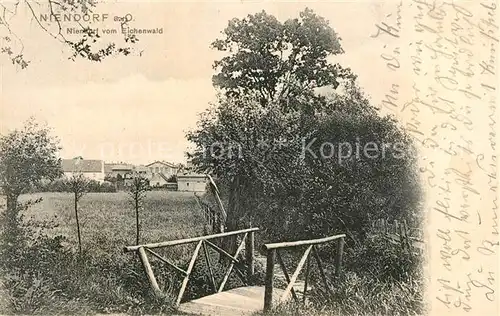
{"x":201,"y":242}
{"x":273,"y":253}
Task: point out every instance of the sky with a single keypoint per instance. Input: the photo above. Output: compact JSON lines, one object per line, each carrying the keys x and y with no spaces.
{"x":137,"y":109}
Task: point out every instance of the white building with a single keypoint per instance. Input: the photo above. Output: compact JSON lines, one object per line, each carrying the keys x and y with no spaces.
{"x":91,"y":169}
{"x":166,"y":168}
{"x":192,"y":182}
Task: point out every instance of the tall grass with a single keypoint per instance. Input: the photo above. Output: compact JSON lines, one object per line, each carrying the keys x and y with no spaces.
{"x":379,"y":278}
{"x":47,"y":276}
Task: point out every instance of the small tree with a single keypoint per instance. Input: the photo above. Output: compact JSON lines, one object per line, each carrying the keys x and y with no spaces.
{"x":172,"y":178}
{"x":27,"y":156}
{"x":78,"y":185}
{"x":137,"y":193}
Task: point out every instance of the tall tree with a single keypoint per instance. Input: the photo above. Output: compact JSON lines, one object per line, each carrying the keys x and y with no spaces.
{"x":27,"y":156}
{"x":277,"y":60}
{"x":253,"y":138}
{"x":280,"y":64}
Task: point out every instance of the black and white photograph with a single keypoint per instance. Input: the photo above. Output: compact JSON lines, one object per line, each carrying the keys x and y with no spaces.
{"x":248,"y":158}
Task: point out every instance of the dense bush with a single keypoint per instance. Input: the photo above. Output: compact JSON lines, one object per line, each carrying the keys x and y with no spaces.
{"x":357,"y":295}
{"x":378,"y":278}
{"x":62,"y":185}
{"x":383,"y":259}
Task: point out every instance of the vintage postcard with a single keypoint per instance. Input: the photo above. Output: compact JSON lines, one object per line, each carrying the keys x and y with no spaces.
{"x":333,"y":158}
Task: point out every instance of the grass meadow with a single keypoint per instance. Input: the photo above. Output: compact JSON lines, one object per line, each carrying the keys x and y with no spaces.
{"x":107,"y":220}
{"x":49,"y":277}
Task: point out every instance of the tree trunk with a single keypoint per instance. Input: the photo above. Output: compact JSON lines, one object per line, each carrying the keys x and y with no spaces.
{"x":234,"y":213}
{"x":12,"y":229}
{"x":78,"y":225}
{"x":11,"y":208}
{"x":137,"y":220}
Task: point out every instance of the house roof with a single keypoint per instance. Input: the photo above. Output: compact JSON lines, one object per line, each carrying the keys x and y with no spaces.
{"x":141,"y":168}
{"x":165,"y":163}
{"x":81,"y":165}
{"x":108,"y":167}
{"x":122,"y":166}
{"x":191,"y":175}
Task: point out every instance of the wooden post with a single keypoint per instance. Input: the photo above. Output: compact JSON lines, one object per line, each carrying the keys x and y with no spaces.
{"x":409,"y":245}
{"x":149,"y":272}
{"x":249,"y":252}
{"x":338,"y":258}
{"x":188,"y":273}
{"x":268,"y":294}
{"x":402,"y":239}
{"x":207,"y":259}
{"x":306,"y":281}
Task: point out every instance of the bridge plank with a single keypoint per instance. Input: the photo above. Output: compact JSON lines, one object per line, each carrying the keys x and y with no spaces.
{"x":239,"y":301}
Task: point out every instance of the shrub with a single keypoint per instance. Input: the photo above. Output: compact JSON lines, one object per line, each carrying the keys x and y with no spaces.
{"x":383,"y":259}
{"x":62,"y":185}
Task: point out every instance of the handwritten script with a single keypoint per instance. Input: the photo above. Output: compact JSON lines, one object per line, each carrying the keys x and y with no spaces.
{"x":443,"y":55}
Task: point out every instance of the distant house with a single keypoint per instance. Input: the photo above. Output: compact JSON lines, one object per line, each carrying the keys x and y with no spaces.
{"x":166,"y":168}
{"x":108,"y":168}
{"x":121,"y":169}
{"x":192,"y":182}
{"x":90,"y":168}
{"x":142,"y":170}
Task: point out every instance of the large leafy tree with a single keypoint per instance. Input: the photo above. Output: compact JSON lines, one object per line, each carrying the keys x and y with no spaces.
{"x":253,"y":138}
{"x":277,"y":60}
{"x":48,"y":16}
{"x":27,"y":156}
{"x":260,"y":155}
{"x":277,"y":64}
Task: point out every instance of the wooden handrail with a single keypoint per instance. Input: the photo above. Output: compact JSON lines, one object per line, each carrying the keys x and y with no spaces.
{"x":247,"y":242}
{"x":273,"y":252}
{"x":302,"y":242}
{"x":189,"y":240}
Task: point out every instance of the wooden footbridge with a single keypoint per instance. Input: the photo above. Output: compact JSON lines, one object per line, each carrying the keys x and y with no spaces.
{"x":250,"y":298}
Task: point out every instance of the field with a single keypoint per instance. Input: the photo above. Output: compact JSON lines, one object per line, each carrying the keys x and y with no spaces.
{"x":107,"y":220}
{"x":47,"y":279}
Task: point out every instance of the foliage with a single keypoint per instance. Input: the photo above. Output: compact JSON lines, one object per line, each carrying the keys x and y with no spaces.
{"x":260,"y":149}
{"x":27,"y":156}
{"x":268,"y":152}
{"x":62,"y":185}
{"x":304,"y":162}
{"x":277,"y":60}
{"x":172,"y":178}
{"x":383,"y":259}
{"x":359,"y":295}
{"x":90,"y":45}
{"x":378,"y":278}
